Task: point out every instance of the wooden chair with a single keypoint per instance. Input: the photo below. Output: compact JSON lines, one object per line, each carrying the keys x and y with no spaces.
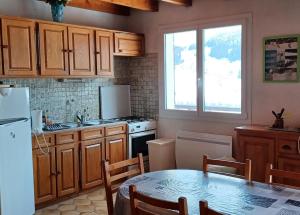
{"x":270,"y":173}
{"x":205,"y":210}
{"x":109,"y":178}
{"x":145,"y":205}
{"x":246,"y":167}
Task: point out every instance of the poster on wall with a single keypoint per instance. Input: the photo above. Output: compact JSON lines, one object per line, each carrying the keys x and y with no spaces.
{"x":281,"y":58}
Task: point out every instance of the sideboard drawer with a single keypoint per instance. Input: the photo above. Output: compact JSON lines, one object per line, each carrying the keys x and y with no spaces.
{"x":288,"y":147}
{"x":116,"y":129}
{"x":48,"y":141}
{"x":90,"y":134}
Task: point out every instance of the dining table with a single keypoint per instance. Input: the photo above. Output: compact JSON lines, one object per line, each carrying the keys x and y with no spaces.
{"x":225,"y":194}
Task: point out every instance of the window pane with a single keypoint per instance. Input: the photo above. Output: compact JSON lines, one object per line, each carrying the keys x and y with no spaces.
{"x":181,"y":70}
{"x":222,"y":49}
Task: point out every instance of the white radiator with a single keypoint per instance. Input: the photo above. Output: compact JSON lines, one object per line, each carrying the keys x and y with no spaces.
{"x":191,"y":146}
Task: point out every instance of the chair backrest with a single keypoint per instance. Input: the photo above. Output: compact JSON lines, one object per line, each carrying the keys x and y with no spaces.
{"x":245,"y":167}
{"x":270,"y":173}
{"x":110,"y":177}
{"x":137,"y":208}
{"x":205,"y":210}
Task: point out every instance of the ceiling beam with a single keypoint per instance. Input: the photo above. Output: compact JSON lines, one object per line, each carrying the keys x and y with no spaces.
{"x":180,"y":2}
{"x":146,"y":5}
{"x":100,"y":6}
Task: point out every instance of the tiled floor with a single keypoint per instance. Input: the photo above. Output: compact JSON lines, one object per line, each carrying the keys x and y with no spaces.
{"x":87,"y":204}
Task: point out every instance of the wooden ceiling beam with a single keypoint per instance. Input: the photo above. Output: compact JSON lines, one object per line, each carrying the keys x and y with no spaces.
{"x":101,"y":6}
{"x":146,"y":5}
{"x":179,"y":2}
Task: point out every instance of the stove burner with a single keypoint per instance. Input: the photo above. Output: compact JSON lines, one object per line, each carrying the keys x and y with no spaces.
{"x":131,"y":119}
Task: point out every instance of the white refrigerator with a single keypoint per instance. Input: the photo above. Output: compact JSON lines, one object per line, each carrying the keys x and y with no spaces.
{"x":16,"y":169}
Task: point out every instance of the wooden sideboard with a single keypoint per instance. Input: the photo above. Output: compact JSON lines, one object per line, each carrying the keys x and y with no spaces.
{"x":264,"y":145}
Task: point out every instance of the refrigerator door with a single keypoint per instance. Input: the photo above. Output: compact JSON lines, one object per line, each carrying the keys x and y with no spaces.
{"x":16,"y":171}
{"x":115,"y":101}
{"x":14,"y":103}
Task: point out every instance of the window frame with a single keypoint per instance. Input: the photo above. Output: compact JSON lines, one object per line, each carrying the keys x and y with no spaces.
{"x":246,"y":21}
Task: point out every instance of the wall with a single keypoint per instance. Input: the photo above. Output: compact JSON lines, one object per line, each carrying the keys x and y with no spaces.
{"x":40,"y":10}
{"x":270,"y":17}
{"x":62,"y":100}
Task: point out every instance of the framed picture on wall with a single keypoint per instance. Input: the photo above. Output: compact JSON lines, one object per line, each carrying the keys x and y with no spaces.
{"x":281,"y":58}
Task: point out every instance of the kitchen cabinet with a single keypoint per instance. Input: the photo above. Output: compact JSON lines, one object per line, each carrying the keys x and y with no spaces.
{"x":53,"y":47}
{"x":92,"y":153}
{"x":44,"y":168}
{"x":81,"y":51}
{"x":104,"y":53}
{"x":67,"y":169}
{"x":18,"y":47}
{"x":116,"y":148}
{"x":1,"y":61}
{"x":128,"y":44}
{"x":263,"y":145}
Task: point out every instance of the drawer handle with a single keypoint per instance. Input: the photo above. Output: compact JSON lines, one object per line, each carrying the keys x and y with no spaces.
{"x":286,"y":147}
{"x":115,"y":141}
{"x":298,"y":145}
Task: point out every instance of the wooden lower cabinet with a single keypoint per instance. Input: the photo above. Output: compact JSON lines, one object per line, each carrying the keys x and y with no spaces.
{"x":116,"y":148}
{"x":44,"y":167}
{"x":260,"y":151}
{"x":92,"y":153}
{"x":289,"y":164}
{"x":67,"y":169}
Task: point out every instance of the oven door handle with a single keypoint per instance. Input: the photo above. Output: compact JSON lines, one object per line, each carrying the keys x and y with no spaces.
{"x":142,"y":134}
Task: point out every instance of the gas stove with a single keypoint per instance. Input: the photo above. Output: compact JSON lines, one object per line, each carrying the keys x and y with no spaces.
{"x":138,"y":124}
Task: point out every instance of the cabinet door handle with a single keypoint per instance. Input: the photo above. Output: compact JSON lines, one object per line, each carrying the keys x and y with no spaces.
{"x":64,"y":50}
{"x":115,"y":141}
{"x":58,"y":173}
{"x":286,"y":147}
{"x":298,"y":146}
{"x":4,"y":46}
{"x":70,"y":50}
{"x":97,"y":52}
{"x":53,"y":173}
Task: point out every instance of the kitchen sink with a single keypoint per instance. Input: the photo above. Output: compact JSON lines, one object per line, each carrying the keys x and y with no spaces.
{"x":97,"y":122}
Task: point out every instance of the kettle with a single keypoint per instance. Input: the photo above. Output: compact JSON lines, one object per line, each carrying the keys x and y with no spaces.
{"x":37,"y":121}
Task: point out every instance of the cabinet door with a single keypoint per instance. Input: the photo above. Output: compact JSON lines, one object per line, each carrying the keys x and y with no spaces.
{"x":54,"y":50}
{"x":44,"y":169}
{"x":81,"y":52}
{"x":67,"y":169}
{"x":1,"y":61}
{"x":92,"y":153}
{"x":260,"y":151}
{"x":127,"y":44}
{"x":104,"y":53}
{"x":116,"y":148}
{"x":289,"y":165}
{"x":19,"y":49}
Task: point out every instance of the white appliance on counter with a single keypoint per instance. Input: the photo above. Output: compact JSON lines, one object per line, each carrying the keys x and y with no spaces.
{"x":16,"y":170}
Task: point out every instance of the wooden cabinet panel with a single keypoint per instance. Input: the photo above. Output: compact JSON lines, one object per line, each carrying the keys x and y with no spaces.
{"x":66,"y":137}
{"x":48,"y":141}
{"x":116,"y":129}
{"x":289,"y":165}
{"x":92,"y":153}
{"x":44,"y":169}
{"x":19,"y":47}
{"x":260,"y":150}
{"x":53,"y":50}
{"x":128,"y":44}
{"x":90,"y":134}
{"x":104,"y":53}
{"x":81,"y":52}
{"x":116,"y":148}
{"x":1,"y":61}
{"x":67,"y":169}
{"x":289,"y":146}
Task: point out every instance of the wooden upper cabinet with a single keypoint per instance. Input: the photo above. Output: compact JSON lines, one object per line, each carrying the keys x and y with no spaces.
{"x":104,"y":53}
{"x":128,"y":44}
{"x":53,"y":50}
{"x":18,"y":47}
{"x":44,"y":170}
{"x":67,"y":169}
{"x":81,"y":51}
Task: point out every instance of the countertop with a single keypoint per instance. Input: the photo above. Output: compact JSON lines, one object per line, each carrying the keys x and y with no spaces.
{"x":83,"y":128}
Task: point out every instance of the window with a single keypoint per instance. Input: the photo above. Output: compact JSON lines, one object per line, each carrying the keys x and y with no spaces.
{"x":204,"y":70}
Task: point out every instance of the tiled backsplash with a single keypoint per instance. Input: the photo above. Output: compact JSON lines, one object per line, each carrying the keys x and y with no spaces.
{"x":63,"y":99}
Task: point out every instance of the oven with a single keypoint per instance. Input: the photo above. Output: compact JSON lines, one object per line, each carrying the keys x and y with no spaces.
{"x":137,"y":142}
